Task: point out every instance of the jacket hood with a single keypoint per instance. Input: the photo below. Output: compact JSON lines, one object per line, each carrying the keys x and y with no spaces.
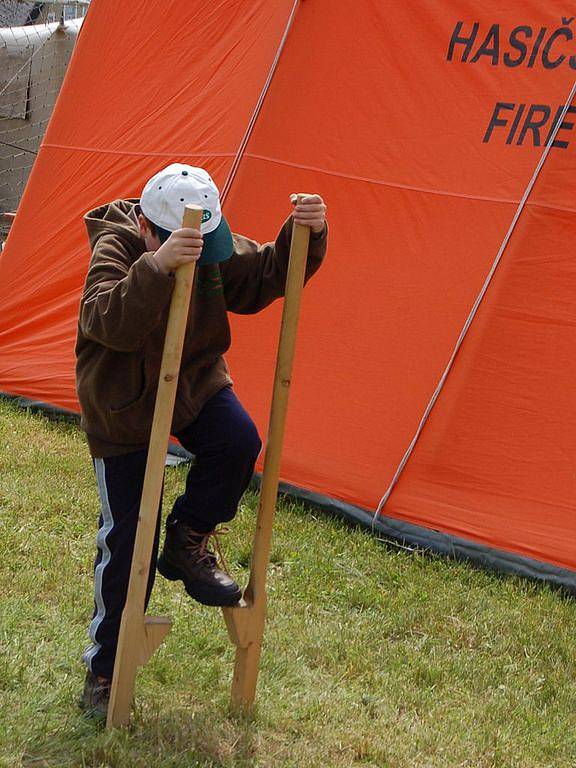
{"x":116,"y":218}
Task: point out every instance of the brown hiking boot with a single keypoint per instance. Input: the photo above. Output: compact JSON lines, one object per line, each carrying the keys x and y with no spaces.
{"x":186,"y":557}
{"x":95,"y":697}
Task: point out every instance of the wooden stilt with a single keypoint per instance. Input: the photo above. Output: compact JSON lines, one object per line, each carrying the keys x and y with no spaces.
{"x":245,"y":622}
{"x":140,"y":635}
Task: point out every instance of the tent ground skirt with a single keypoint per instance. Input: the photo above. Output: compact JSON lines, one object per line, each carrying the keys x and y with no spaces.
{"x":441,"y":543}
{"x":395,"y":530}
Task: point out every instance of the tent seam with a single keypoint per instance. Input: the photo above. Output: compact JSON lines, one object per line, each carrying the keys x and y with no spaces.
{"x":98,"y":150}
{"x":339,"y":174}
{"x":408,"y":187}
{"x":381,"y":182}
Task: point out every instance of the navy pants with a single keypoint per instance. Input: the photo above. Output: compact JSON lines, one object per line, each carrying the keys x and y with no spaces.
{"x":225,"y":443}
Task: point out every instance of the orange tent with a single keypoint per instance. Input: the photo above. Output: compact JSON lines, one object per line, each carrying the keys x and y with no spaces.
{"x":422,"y":128}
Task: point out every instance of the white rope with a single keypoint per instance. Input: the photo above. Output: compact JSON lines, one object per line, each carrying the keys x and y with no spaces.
{"x":26,"y":63}
{"x":258,"y":107}
{"x":475,"y":307}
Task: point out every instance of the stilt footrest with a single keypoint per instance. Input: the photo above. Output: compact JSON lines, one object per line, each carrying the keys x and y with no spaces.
{"x":155,"y":630}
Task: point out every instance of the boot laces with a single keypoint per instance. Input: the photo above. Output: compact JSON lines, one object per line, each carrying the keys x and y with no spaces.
{"x":103,"y":685}
{"x":198,"y":543}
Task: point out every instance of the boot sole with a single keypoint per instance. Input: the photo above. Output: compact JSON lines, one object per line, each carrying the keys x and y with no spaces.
{"x":197,"y":591}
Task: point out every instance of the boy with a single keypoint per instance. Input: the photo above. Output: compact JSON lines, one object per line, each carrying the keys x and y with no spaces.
{"x":136,"y":246}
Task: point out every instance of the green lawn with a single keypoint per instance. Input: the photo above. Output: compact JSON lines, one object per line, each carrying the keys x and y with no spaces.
{"x":373,"y":656}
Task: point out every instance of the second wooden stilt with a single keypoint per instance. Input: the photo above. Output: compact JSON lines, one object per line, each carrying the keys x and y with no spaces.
{"x":245,"y":622}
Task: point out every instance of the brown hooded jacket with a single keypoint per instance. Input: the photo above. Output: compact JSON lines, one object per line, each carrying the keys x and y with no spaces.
{"x":122,"y":324}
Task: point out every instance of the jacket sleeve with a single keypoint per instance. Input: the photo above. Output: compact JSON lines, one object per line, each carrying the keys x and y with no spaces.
{"x":255,"y":275}
{"x":121,"y":304}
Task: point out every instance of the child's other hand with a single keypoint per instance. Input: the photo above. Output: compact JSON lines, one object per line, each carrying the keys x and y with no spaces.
{"x":182,"y":247}
{"x":310,"y":211}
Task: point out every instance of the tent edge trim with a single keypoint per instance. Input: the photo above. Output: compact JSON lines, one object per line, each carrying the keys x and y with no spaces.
{"x":437,"y":542}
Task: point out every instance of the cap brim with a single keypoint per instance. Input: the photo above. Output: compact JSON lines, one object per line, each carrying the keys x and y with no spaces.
{"x":218,"y":245}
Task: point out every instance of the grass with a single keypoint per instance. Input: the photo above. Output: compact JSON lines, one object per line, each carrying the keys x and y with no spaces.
{"x":373,"y":656}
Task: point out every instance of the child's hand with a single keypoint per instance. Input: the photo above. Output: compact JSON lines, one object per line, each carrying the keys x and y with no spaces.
{"x":311,"y":211}
{"x":182,"y":247}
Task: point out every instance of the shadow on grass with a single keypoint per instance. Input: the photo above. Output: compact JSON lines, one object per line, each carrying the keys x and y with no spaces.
{"x":172,"y":738}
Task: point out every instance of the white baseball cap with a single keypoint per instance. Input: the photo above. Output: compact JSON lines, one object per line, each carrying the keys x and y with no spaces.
{"x":165,"y":196}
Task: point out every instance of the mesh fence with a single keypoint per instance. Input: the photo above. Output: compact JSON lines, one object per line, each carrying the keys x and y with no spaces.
{"x":36,"y":42}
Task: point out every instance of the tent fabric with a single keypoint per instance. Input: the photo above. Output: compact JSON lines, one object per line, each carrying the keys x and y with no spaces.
{"x":421,"y":128}
{"x":473,"y":312}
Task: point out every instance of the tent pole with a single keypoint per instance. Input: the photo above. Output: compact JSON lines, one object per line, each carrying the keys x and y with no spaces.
{"x":141,"y":635}
{"x":245,"y":622}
